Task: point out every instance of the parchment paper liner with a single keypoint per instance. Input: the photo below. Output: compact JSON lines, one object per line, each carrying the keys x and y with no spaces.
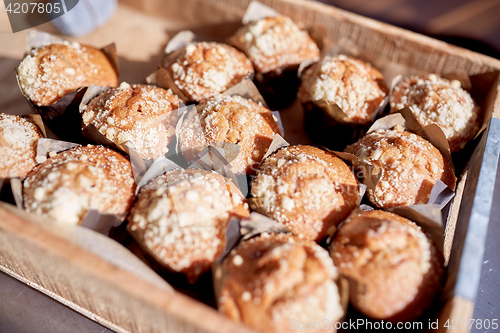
{"x":93,"y":134}
{"x":13,"y":185}
{"x":278,"y":143}
{"x":325,"y":122}
{"x":62,"y":116}
{"x":279,"y":86}
{"x":370,"y":175}
{"x":94,"y":219}
{"x":241,"y":230}
{"x":161,"y":77}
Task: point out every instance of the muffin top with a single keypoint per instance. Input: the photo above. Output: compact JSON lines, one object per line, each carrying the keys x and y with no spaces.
{"x":18,"y":144}
{"x":306,"y":189}
{"x":53,"y":71}
{"x":230,"y":119}
{"x":182,"y":216}
{"x":273,"y":43}
{"x":409,"y":164}
{"x":65,"y":187}
{"x":394,"y":269}
{"x":205,"y":69}
{"x":355,"y":86}
{"x":274,"y":278}
{"x":140,"y":114}
{"x":436,"y":100}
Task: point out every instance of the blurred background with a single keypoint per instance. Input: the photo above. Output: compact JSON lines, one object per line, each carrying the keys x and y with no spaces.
{"x":473,"y":24}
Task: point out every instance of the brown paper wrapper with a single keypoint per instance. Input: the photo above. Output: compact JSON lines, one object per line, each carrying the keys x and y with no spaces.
{"x":62,"y":117}
{"x":256,"y":224}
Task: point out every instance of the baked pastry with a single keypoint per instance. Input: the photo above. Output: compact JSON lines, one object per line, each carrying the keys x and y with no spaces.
{"x":205,"y":69}
{"x":53,"y":71}
{"x":355,"y":86}
{"x":230,"y":119}
{"x":436,"y":100}
{"x":394,"y":270}
{"x":306,"y":189}
{"x":181,"y":219}
{"x":274,"y":43}
{"x":409,"y":166}
{"x":66,"y":186}
{"x":276,"y":46}
{"x":140,"y":114}
{"x":18,"y":143}
{"x":273,"y":282}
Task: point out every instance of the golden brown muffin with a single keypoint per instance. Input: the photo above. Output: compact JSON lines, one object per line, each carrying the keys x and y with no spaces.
{"x":306,"y":189}
{"x":409,"y":164}
{"x":273,"y":43}
{"x":436,"y":100}
{"x":140,"y":114}
{"x":230,"y":119}
{"x":395,"y":272}
{"x":181,"y":219}
{"x":55,"y":70}
{"x":18,"y":143}
{"x":355,"y":86}
{"x":65,"y":187}
{"x":274,"y":281}
{"x":205,"y":69}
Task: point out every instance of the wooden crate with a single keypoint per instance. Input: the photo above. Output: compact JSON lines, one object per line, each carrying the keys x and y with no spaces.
{"x":104,"y":282}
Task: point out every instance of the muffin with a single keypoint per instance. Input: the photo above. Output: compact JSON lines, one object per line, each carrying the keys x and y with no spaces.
{"x":18,"y":144}
{"x":394,"y":270}
{"x":307,"y":189}
{"x":65,"y":187}
{"x":276,"y":46}
{"x":140,"y":114}
{"x":180,"y":219}
{"x":53,"y":71}
{"x":355,"y":86}
{"x":205,"y":69}
{"x":274,"y":281}
{"x":230,"y":119}
{"x":436,"y":100}
{"x":274,"y":43}
{"x":409,"y":167}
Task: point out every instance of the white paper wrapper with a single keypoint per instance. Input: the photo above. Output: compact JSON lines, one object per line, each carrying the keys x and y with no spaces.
{"x":256,"y":11}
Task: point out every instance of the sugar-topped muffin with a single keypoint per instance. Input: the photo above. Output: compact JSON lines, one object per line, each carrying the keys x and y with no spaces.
{"x":181,"y":219}
{"x":275,"y":281}
{"x":306,"y":189}
{"x":205,"y":69}
{"x":355,"y":86}
{"x":409,"y":165}
{"x":395,"y":270}
{"x":230,"y":119}
{"x":53,"y":71}
{"x":65,"y":187}
{"x":276,"y":42}
{"x":18,"y":144}
{"x":140,"y":114}
{"x":436,"y":100}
